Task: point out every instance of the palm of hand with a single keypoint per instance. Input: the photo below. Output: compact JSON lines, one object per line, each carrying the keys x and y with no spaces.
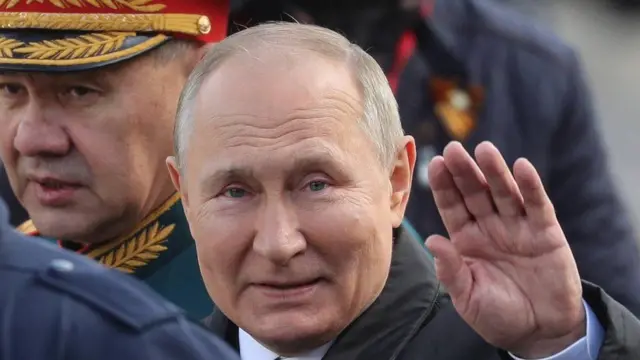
{"x":508,"y":268}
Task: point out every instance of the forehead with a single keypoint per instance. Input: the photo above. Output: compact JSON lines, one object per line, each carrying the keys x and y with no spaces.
{"x":272,"y":90}
{"x":276,"y":103}
{"x":277,"y":83}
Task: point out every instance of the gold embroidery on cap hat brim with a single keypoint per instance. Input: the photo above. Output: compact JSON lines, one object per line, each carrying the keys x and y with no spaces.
{"x":83,"y":46}
{"x":189,"y":24}
{"x":137,"y":5}
{"x":85,"y":49}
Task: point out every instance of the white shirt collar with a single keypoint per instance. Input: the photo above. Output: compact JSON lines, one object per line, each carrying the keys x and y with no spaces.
{"x":251,"y":349}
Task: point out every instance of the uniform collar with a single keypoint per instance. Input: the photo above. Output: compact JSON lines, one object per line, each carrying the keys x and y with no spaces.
{"x":131,"y":252}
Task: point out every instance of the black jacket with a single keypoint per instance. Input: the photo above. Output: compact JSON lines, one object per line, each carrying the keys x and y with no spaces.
{"x":412,"y":319}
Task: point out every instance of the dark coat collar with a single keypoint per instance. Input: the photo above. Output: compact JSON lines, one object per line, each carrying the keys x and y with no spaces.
{"x":439,"y":38}
{"x":383,"y":330}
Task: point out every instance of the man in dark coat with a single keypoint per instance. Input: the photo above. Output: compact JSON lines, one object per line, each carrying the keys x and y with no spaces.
{"x":56,"y":305}
{"x":295,"y":189}
{"x":470,"y":71}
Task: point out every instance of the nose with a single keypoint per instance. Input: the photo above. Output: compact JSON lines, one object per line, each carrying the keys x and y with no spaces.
{"x":277,"y":237}
{"x":36,"y":135}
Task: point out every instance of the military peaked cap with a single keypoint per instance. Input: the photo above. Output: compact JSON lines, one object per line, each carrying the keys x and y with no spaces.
{"x":68,"y":35}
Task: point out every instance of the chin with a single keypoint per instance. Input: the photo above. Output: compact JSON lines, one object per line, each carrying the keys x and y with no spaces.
{"x":61,"y":224}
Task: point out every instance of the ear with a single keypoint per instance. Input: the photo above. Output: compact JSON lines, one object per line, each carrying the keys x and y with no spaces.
{"x":176,"y":179}
{"x":400,"y":179}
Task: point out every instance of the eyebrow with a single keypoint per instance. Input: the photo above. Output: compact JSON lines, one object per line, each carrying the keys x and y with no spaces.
{"x":319,"y":161}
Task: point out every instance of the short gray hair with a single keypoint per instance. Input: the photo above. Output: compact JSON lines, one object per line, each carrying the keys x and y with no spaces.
{"x":381,"y":120}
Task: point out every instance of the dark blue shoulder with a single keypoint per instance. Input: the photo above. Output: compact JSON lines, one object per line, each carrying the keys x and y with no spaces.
{"x":37,"y":265}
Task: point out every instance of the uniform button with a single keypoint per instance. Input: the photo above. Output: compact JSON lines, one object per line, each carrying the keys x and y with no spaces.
{"x":62,"y":265}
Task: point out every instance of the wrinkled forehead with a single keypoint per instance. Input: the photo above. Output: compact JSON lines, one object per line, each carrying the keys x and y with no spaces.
{"x":276,"y":105}
{"x":278,"y":91}
{"x":269,"y":82}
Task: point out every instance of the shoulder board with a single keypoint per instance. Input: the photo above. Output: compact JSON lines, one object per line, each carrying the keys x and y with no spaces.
{"x":28,"y":228}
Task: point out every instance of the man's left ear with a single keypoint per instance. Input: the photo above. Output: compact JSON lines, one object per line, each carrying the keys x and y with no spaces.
{"x":400,"y":178}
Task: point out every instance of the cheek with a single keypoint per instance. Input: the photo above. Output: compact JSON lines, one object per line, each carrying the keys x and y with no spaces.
{"x":105,"y":149}
{"x":354,"y":237}
{"x":221,"y":243}
{"x":355,"y":231}
{"x":119,"y":169}
{"x":221,"y":253}
{"x":117,"y":147}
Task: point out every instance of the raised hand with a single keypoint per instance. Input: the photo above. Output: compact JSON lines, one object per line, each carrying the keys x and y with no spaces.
{"x":507,"y":266}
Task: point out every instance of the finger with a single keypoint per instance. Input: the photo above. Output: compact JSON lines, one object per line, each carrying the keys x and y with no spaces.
{"x":469,"y":180}
{"x":537,"y":205}
{"x":451,"y":269}
{"x":503,"y":187}
{"x":447,"y":197}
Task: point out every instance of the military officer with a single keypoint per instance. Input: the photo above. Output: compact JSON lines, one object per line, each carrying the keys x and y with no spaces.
{"x":88,"y":92}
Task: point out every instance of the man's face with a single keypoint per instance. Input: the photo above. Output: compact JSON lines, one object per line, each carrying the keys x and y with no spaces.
{"x":291,"y":211}
{"x":84,"y":151}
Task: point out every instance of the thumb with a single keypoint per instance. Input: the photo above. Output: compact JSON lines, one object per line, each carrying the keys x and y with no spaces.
{"x":451,"y":269}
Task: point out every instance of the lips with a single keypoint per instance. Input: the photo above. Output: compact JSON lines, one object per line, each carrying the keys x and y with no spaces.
{"x":54,"y":192}
{"x":290,"y":285}
{"x":54,"y":183}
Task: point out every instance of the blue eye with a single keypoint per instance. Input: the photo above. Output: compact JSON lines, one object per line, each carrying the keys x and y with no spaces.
{"x":317,"y":185}
{"x":235,"y":193}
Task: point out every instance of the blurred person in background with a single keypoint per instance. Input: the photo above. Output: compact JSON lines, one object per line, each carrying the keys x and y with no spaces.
{"x":87,"y":110}
{"x":472,"y":70}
